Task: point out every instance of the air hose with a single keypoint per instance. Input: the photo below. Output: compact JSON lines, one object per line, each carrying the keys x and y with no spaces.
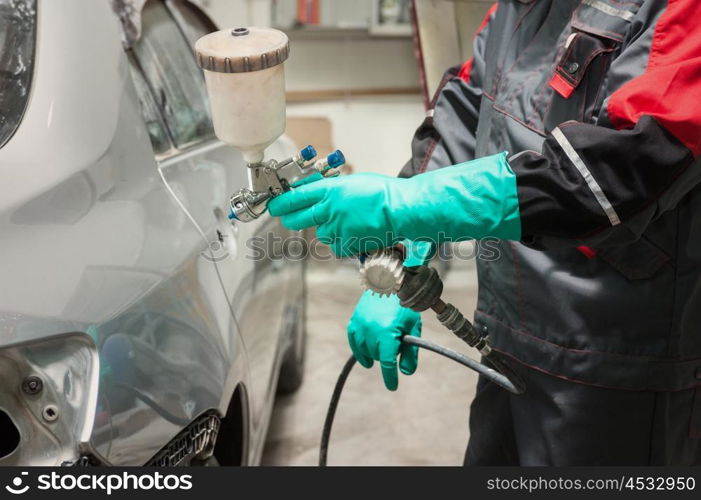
{"x":490,"y":373}
{"x":419,"y":288}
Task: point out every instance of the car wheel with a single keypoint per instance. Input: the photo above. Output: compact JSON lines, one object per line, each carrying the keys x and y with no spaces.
{"x":292,"y":368}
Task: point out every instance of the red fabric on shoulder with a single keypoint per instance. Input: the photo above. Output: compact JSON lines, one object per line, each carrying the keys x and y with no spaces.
{"x":466,"y":68}
{"x":669,"y":89}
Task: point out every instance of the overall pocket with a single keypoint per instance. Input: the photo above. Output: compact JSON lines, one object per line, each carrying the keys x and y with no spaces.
{"x":577,"y":79}
{"x":558,"y":73}
{"x":640,"y":260}
{"x":575,"y":89}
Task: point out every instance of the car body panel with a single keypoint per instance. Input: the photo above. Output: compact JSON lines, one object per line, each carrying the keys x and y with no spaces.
{"x":98,"y":237}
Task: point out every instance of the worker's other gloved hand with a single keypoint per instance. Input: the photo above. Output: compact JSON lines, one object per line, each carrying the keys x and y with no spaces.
{"x":378,"y":323}
{"x":374,"y":333}
{"x":363,"y":212}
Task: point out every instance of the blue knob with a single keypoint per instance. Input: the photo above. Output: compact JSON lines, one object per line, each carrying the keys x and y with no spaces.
{"x":336,"y":159}
{"x":308,"y":153}
{"x":232,"y":215}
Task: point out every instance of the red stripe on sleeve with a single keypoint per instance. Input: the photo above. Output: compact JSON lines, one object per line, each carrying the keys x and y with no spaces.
{"x":466,"y":68}
{"x":669,"y":89}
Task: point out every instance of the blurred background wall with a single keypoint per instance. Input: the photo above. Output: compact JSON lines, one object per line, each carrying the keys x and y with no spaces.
{"x":354,"y":63}
{"x":346,"y":47}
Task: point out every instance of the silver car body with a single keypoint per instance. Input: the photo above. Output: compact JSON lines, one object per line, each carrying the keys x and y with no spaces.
{"x":124,"y":287}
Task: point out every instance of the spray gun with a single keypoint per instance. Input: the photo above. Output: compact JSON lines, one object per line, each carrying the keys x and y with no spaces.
{"x":244,"y":72}
{"x":272,"y":178}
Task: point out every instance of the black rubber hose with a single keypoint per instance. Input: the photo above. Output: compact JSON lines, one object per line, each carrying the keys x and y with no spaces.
{"x":502,"y":365}
{"x":493,"y":375}
{"x":331,"y":412}
{"x":490,"y":373}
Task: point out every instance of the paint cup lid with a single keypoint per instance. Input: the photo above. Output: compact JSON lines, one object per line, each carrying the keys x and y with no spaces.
{"x":242,"y":50}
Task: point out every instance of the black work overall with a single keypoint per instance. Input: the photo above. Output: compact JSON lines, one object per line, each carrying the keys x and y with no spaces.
{"x":606,"y":331}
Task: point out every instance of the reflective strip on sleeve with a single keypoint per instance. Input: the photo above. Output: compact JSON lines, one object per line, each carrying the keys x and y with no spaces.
{"x":608,"y":9}
{"x":591,"y":182}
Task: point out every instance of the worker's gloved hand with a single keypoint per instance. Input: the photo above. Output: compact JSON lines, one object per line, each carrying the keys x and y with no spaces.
{"x":364,"y":212}
{"x":378,"y":323}
{"x":374,"y":333}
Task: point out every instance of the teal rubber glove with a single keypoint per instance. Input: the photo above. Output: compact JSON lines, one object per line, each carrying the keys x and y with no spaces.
{"x":374,"y":333}
{"x":417,"y":253}
{"x":378,"y":323}
{"x":364,"y":212}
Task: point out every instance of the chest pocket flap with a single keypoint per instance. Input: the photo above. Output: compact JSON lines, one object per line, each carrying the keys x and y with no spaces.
{"x":598,"y":27}
{"x":581,"y":49}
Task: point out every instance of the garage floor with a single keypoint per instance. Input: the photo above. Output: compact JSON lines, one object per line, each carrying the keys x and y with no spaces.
{"x":424,"y":423}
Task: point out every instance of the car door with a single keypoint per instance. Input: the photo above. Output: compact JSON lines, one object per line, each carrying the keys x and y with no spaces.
{"x":203,"y":172}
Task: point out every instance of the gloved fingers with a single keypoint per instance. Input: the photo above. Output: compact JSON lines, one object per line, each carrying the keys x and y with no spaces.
{"x":323,"y":234}
{"x":308,"y":217}
{"x":326,"y":235}
{"x":339,"y":245}
{"x":298,"y":199}
{"x":307,"y":180}
{"x":388,"y":350}
{"x":299,"y":220}
{"x":340,"y":249}
{"x":409,"y":358}
{"x":355,"y":343}
{"x":352,"y":246}
{"x":418,"y":252}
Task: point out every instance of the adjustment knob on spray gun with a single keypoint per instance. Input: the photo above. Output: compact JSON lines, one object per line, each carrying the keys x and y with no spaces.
{"x":329,"y":166}
{"x":308,"y":153}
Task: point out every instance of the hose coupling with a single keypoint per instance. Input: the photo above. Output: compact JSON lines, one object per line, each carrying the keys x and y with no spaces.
{"x":453,"y":320}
